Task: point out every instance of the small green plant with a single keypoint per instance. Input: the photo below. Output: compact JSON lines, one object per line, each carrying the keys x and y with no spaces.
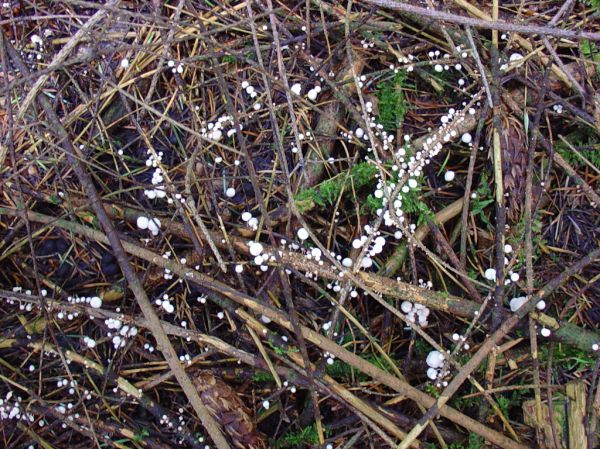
{"x":483,"y":198}
{"x":139,"y":437}
{"x":303,"y":437}
{"x":279,"y":350}
{"x":411,"y":204}
{"x":432,"y":391}
{"x":589,"y":145}
{"x":342,"y":371}
{"x":504,"y":404}
{"x":462,"y":403}
{"x":228,"y":59}
{"x":590,"y":51}
{"x":263,"y":376}
{"x":392,"y":103}
{"x":474,"y":442}
{"x":327,"y":193}
{"x":518,"y":236}
{"x":569,"y":358}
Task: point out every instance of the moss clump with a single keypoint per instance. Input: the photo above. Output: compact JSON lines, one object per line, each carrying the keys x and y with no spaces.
{"x":301,"y":438}
{"x":392,"y":103}
{"x":411,"y":204}
{"x":263,"y":376}
{"x":587,"y":144}
{"x":327,"y":193}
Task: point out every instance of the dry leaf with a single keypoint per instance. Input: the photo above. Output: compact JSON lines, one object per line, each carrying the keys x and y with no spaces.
{"x":226,"y":407}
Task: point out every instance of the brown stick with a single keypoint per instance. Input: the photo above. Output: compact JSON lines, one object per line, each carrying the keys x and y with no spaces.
{"x":499,"y":25}
{"x":587,"y":190}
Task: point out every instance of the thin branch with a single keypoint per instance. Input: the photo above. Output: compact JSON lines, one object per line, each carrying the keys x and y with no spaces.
{"x":499,"y":25}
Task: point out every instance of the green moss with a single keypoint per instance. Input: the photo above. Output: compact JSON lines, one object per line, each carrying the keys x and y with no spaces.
{"x":392,"y":103}
{"x":462,"y":404}
{"x":412,"y":204}
{"x":518,"y":237}
{"x":307,"y":436}
{"x":327,"y":193}
{"x":228,"y":59}
{"x":263,"y":376}
{"x":474,"y":442}
{"x":432,"y":391}
{"x":308,"y":199}
{"x":343,"y":372}
{"x":582,"y":137}
{"x":279,"y":350}
{"x":371,"y":204}
{"x":421,"y":349}
{"x":363,"y":173}
{"x":482,"y":200}
{"x":569,"y":358}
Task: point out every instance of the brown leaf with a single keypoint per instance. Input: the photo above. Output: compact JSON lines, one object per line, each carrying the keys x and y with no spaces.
{"x":514,"y":162}
{"x":229,"y":411}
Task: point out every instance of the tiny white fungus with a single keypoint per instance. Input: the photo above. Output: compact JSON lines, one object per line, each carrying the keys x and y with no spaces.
{"x":296,"y":88}
{"x":435,"y":359}
{"x":449,"y":176}
{"x":516,"y":57}
{"x":255,"y":248}
{"x":516,"y":303}
{"x":302,"y":234}
{"x":432,"y":373}
{"x":490,"y":274}
{"x":142,"y":222}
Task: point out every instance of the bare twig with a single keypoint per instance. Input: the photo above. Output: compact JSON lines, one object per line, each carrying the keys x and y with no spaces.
{"x":499,"y":25}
